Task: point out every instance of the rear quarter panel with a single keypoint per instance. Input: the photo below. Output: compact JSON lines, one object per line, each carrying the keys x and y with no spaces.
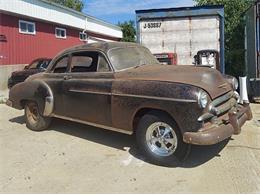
{"x":33,"y":90}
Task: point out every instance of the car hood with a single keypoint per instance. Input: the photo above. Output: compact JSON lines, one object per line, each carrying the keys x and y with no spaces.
{"x":206,"y":78}
{"x":25,"y":73}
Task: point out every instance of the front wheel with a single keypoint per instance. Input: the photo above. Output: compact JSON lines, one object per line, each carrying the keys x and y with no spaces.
{"x":160,"y":141}
{"x":34,"y":120}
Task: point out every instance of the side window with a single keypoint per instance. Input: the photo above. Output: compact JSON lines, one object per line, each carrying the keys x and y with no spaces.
{"x":84,"y":62}
{"x":61,"y":65}
{"x":45,"y":64}
{"x":103,"y":65}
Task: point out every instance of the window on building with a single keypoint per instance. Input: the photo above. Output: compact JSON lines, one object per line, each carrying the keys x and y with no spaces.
{"x":27,"y":27}
{"x":83,"y":36}
{"x":60,"y":33}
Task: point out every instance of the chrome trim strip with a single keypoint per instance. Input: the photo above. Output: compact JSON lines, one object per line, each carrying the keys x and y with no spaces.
{"x":48,"y":106}
{"x":219,"y":106}
{"x":226,"y":106}
{"x":94,"y":124}
{"x":131,"y":95}
{"x":49,"y":101}
{"x":156,"y":98}
{"x":89,"y":92}
{"x":222,"y":99}
{"x":205,"y":117}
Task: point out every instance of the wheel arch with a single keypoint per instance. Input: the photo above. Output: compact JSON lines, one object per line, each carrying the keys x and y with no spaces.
{"x":145,"y":110}
{"x":37,"y":91}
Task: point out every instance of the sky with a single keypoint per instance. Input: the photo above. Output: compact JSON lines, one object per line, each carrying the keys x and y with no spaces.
{"x":115,"y":11}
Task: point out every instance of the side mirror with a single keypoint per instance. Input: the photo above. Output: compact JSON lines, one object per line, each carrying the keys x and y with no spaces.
{"x":26,"y":67}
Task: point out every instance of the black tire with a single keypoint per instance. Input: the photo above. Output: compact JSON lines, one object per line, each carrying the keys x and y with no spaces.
{"x":180,"y":151}
{"x":34,"y":120}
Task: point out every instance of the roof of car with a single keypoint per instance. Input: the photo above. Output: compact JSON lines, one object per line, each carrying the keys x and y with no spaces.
{"x":103,"y":46}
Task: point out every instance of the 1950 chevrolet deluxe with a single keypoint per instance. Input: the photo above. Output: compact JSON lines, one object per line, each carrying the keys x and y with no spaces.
{"x":122,"y":87}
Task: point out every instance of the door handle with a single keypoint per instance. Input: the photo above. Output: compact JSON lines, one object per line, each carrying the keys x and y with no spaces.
{"x":67,"y":77}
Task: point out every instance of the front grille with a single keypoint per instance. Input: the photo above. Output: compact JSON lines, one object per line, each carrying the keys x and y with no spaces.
{"x":219,"y":106}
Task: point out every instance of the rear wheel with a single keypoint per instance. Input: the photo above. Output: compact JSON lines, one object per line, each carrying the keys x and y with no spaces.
{"x":34,"y":120}
{"x":160,"y":141}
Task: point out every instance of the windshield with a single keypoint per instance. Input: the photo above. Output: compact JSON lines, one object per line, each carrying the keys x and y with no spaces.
{"x":123,"y":58}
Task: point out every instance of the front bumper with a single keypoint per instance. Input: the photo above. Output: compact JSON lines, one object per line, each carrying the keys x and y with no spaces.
{"x":214,"y":134}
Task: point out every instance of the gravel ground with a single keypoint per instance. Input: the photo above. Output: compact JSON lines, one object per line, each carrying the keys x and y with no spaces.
{"x":75,"y":158}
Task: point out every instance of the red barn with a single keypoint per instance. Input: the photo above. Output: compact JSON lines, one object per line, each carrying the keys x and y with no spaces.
{"x":31,"y":29}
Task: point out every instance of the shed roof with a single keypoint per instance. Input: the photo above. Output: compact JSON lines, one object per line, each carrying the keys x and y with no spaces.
{"x":181,"y":12}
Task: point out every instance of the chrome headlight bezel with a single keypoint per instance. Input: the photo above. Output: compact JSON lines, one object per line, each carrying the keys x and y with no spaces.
{"x":232,"y":81}
{"x":235,"y":83}
{"x":203,"y":99}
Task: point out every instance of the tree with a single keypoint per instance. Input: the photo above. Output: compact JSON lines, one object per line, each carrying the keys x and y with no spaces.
{"x":128,"y":29}
{"x":234,"y":33}
{"x":77,"y":5}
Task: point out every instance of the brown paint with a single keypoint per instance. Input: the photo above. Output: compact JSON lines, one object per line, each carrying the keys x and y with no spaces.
{"x":115,"y":99}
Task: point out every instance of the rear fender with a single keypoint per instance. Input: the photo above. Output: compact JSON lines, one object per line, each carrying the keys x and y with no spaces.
{"x":35,"y":90}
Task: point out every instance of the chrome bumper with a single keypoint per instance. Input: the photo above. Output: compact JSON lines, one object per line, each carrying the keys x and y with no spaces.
{"x":212,"y":135}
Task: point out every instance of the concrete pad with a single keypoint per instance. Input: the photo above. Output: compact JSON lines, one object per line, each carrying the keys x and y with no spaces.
{"x":75,"y":158}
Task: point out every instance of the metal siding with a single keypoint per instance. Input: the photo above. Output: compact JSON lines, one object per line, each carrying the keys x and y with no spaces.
{"x":186,"y":12}
{"x":185,"y":36}
{"x":44,"y":10}
{"x":23,"y":48}
{"x":97,"y":27}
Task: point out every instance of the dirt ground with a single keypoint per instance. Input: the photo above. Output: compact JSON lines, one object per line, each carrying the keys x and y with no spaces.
{"x":75,"y":158}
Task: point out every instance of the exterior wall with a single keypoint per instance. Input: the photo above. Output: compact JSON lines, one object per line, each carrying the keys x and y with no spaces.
{"x":23,"y":48}
{"x":184,"y":36}
{"x":97,"y":26}
{"x":45,"y":10}
{"x":5,"y":73}
{"x":18,"y":49}
{"x":183,"y":30}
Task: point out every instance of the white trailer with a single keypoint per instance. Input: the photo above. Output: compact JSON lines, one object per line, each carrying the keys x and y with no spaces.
{"x":183,"y":31}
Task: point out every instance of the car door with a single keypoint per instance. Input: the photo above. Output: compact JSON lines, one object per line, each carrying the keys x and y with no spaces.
{"x":54,"y":78}
{"x":87,"y":90}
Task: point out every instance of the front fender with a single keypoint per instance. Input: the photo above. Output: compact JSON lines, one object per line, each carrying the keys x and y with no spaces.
{"x":34,"y":90}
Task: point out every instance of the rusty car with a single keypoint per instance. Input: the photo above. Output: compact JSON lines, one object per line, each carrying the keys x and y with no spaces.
{"x":36,"y":66}
{"x":122,"y":87}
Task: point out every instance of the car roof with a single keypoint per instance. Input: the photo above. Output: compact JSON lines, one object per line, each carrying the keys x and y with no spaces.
{"x":103,"y":46}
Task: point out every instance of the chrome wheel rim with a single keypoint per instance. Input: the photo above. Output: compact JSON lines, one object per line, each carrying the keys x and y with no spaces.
{"x":161,"y":139}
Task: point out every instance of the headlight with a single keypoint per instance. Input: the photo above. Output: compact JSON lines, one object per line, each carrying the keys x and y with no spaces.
{"x":234,"y":84}
{"x":203,"y":99}
{"x":232,"y":81}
